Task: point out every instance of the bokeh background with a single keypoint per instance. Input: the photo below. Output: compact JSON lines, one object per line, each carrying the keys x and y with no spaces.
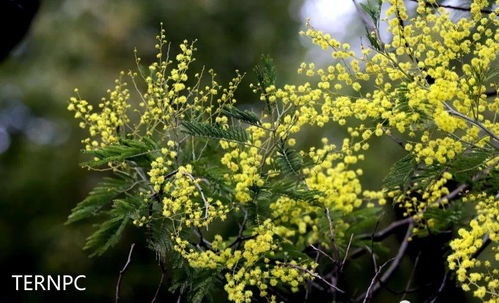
{"x":85,"y":44}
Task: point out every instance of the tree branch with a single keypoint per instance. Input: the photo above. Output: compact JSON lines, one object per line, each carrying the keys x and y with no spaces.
{"x":458,"y":8}
{"x":316,"y":276}
{"x":346,"y":253}
{"x":396,"y":262}
{"x":387,"y":231}
{"x":163,"y":271}
{"x":122,"y":271}
{"x":376,"y":274}
{"x":331,"y":231}
{"x":453,"y":112}
{"x":200,"y":189}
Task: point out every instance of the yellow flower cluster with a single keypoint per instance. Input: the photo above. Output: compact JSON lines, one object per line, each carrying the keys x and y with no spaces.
{"x":480,"y":276}
{"x":244,"y":163}
{"x":439,"y":150}
{"x":252,"y":266}
{"x":338,"y":182}
{"x":161,"y":167}
{"x":431,"y":195}
{"x":185,"y":200}
{"x":296,"y":218}
{"x":104,"y":126}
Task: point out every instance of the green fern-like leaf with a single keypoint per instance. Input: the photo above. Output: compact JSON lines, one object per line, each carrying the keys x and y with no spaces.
{"x":306,"y":195}
{"x":245,"y":116}
{"x":127,"y":149}
{"x":373,"y":9}
{"x":99,"y":197}
{"x":443,"y":218}
{"x":288,"y":188}
{"x":289,"y":160}
{"x":106,"y":236}
{"x":212,"y":131}
{"x":400,"y":173}
{"x":466,"y":165}
{"x":109,"y":232}
{"x":265,"y":71}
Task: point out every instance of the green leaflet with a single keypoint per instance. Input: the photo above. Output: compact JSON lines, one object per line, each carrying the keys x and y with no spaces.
{"x":245,"y":116}
{"x":373,"y":9}
{"x":466,"y":165}
{"x":106,"y":236}
{"x":443,"y":218}
{"x":306,"y":195}
{"x":109,"y":232}
{"x":265,"y":71}
{"x":289,"y":160}
{"x":400,"y":173}
{"x":127,"y":149}
{"x":363,"y":218}
{"x":99,"y":197}
{"x":200,"y":129}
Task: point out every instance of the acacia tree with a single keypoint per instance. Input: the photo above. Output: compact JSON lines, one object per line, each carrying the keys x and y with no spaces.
{"x":186,"y":160}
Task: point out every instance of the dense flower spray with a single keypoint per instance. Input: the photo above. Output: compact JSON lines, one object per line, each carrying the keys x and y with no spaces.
{"x":186,"y":159}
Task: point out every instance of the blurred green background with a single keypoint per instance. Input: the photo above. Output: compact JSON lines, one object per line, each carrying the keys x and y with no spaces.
{"x":85,"y":44}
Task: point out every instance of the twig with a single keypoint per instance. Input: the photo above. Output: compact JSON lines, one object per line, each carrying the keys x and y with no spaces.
{"x":453,"y":112}
{"x":144,"y":178}
{"x":384,"y":233}
{"x":396,"y":140}
{"x":346,"y":253}
{"x":202,"y":241}
{"x":122,"y":271}
{"x":441,"y":287}
{"x":160,"y":281}
{"x":371,"y":286}
{"x":331,"y":231}
{"x":458,"y":8}
{"x":242,"y":227}
{"x":200,"y":189}
{"x":393,"y":266}
{"x":316,"y":276}
{"x":322,"y":253}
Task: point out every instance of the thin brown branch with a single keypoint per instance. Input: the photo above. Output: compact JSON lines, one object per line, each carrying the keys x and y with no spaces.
{"x":458,"y":8}
{"x":163,"y":271}
{"x":320,"y":251}
{"x":200,"y":189}
{"x":346,"y":253}
{"x":312,"y":274}
{"x":454,"y":112}
{"x":371,"y":286}
{"x":331,"y":232}
{"x":122,"y":272}
{"x":240,"y":238}
{"x":387,"y":231}
{"x":393,"y":266}
{"x":202,"y":241}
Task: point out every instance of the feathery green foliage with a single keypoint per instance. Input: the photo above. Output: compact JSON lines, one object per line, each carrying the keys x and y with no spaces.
{"x":199,"y":129}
